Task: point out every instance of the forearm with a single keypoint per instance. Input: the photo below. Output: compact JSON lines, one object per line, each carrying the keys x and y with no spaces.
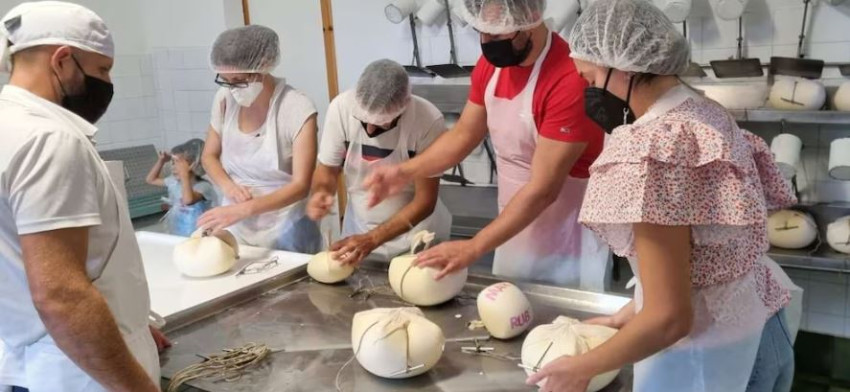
{"x":215,"y":170}
{"x":153,"y":175}
{"x":80,"y":322}
{"x":447,"y":151}
{"x":403,"y":221}
{"x":325,"y":179}
{"x":524,"y":208}
{"x":188,"y":195}
{"x":643,"y":336}
{"x":278,"y":199}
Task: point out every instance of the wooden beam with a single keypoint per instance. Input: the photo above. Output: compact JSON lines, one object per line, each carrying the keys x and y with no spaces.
{"x":333,"y":84}
{"x":246,"y":13}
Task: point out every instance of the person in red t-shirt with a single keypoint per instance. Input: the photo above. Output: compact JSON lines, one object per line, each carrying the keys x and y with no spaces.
{"x":526,"y":92}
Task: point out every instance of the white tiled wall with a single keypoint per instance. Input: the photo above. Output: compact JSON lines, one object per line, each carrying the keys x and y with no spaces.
{"x":133,"y":116}
{"x":826,"y":302}
{"x":184,"y":92}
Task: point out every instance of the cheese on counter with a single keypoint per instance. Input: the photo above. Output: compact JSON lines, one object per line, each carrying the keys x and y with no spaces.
{"x":323,"y":268}
{"x":205,"y":256}
{"x":504,"y":310}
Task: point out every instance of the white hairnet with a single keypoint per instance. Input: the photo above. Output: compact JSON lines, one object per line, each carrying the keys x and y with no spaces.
{"x":191,"y":151}
{"x":629,"y":35}
{"x":382,"y":93}
{"x":504,"y":16}
{"x":248,"y":49}
{"x":52,"y":23}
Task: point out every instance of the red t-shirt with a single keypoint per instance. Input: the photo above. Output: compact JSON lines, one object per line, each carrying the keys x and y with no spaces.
{"x":558,"y":103}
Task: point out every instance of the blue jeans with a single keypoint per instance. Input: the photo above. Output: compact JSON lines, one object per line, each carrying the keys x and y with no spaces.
{"x":774,"y":367}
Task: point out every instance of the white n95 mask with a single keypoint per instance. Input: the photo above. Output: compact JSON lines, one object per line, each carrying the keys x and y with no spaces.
{"x":246,"y":96}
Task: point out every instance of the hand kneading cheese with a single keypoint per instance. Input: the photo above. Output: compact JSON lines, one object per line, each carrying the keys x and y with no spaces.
{"x":566,"y":336}
{"x":202,"y":257}
{"x":791,"y":229}
{"x":396,"y":343}
{"x":417,"y":285}
{"x":841,"y":100}
{"x":797,"y":94}
{"x":325,"y":269}
{"x":838,"y":235}
{"x":505,"y":310}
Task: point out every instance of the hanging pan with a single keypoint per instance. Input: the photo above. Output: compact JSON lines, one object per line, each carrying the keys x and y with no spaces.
{"x":798,"y":66}
{"x":739,"y":67}
{"x":450,"y":70}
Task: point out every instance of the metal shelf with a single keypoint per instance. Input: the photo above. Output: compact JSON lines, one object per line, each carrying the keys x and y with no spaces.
{"x":792,"y":116}
{"x":823,"y":258}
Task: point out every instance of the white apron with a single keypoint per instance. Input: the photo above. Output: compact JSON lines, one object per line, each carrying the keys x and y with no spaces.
{"x":257,"y":167}
{"x":44,"y":366}
{"x":359,"y":219}
{"x":554,"y":248}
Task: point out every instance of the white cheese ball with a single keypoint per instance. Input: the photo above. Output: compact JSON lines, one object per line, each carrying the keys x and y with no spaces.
{"x":387,"y":342}
{"x":202,"y":257}
{"x":417,"y":285}
{"x":323,"y":268}
{"x":838,"y":235}
{"x":797,"y":94}
{"x":841,"y":100}
{"x":505,"y":310}
{"x":566,"y":336}
{"x":789,"y":229}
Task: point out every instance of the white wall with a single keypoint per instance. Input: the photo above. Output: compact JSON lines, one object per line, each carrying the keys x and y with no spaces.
{"x":299,"y":24}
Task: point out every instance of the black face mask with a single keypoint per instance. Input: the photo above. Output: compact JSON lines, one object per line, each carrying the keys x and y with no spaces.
{"x":91,"y":103}
{"x":605,"y":109}
{"x":379,"y":130}
{"x":502,"y":54}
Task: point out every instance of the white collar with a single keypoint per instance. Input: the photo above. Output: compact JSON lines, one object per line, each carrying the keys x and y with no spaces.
{"x":670,"y":100}
{"x":49,"y":109}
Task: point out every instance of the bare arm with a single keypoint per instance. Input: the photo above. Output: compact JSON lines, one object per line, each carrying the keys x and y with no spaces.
{"x":153,"y":175}
{"x":452,"y":147}
{"x":325,"y":182}
{"x":663,"y":254}
{"x":75,"y":313}
{"x":421,"y":207}
{"x":211,"y":159}
{"x":550,"y":167}
{"x":303,"y":165}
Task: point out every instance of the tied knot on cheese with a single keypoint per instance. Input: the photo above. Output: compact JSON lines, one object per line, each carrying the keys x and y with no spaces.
{"x":204,"y":255}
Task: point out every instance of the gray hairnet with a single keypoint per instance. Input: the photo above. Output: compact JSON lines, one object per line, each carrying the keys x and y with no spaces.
{"x":248,"y":49}
{"x":382,"y":93}
{"x":504,"y":16}
{"x":629,"y":35}
{"x":191,"y":151}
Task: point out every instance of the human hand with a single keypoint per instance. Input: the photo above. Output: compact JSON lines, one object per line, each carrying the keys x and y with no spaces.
{"x":319,"y":205}
{"x":384,"y":182}
{"x":561,"y":375}
{"x":163,"y":156}
{"x":616,"y":320}
{"x":237,"y":193}
{"x":220,"y":218}
{"x":448,"y":257}
{"x":352,"y":250}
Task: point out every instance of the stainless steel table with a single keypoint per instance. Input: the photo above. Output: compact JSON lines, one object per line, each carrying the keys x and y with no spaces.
{"x":310,"y":323}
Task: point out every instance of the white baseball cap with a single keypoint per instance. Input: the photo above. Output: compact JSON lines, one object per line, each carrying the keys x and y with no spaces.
{"x":52,"y":23}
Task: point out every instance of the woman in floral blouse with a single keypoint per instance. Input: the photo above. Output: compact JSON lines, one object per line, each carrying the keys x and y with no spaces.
{"x":684,"y":194}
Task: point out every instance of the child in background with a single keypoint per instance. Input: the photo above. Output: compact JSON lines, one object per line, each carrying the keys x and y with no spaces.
{"x":188,"y":193}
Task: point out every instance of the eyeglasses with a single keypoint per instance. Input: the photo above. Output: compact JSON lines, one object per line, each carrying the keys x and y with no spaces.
{"x":258,"y":267}
{"x":240,"y":84}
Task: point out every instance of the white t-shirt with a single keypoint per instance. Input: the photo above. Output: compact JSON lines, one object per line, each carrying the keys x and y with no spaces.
{"x":49,"y":180}
{"x":422,"y":119}
{"x":295,"y":109}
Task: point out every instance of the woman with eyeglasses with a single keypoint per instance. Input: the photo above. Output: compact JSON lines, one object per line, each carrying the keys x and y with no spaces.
{"x":261,"y":146}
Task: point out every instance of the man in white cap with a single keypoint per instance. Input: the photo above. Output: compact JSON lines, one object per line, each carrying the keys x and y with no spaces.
{"x":73,"y":295}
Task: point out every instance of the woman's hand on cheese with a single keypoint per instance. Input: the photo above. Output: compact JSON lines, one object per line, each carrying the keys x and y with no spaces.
{"x":384,"y":182}
{"x":319,"y":205}
{"x":352,"y":250}
{"x":237,"y":193}
{"x":616,"y":320}
{"x":220,"y":218}
{"x":448,"y":257}
{"x":562,"y":375}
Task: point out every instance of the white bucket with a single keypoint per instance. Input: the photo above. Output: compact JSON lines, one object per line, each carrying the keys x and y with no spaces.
{"x":786,"y":151}
{"x":839,"y":159}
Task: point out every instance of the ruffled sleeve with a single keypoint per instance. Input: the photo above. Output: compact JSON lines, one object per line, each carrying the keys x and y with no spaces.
{"x":778,"y":193}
